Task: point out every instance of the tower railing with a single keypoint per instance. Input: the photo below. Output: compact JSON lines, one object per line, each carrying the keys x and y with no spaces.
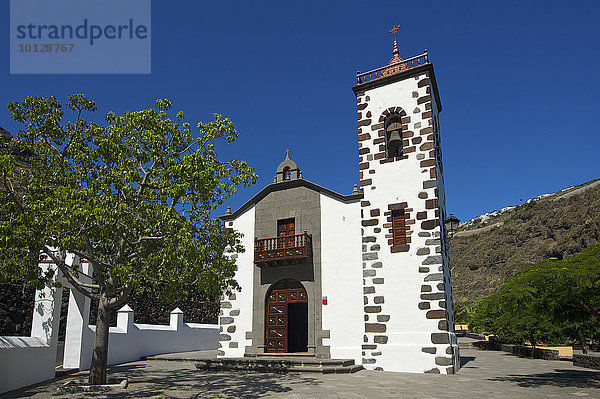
{"x":377,"y":73}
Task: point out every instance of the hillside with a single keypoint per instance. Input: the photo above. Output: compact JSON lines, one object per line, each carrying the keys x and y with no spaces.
{"x":487,"y":251}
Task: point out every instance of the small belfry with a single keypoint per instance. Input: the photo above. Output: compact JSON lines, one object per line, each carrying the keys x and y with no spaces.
{"x":287,"y":170}
{"x":362,"y":279}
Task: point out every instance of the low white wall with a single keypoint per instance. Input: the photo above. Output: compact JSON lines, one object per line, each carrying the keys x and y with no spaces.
{"x":29,"y":360}
{"x":129,"y":342}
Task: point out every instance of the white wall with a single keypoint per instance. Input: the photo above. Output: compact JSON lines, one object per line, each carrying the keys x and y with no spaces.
{"x":241,"y":306}
{"x":129,"y":341}
{"x":29,"y":360}
{"x":341,"y":276}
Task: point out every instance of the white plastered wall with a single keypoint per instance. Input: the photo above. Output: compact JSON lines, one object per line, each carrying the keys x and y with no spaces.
{"x":341,"y":277}
{"x":241,"y":306}
{"x":29,"y":360}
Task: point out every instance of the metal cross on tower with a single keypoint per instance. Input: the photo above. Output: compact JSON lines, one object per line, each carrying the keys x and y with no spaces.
{"x":394,"y":30}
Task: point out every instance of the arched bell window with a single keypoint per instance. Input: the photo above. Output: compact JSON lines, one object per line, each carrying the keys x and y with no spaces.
{"x":287,"y":173}
{"x":393,"y":136}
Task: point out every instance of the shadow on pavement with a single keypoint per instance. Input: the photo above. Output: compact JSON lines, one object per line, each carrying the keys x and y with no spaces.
{"x":559,"y":378}
{"x":184,"y":382}
{"x":466,"y":359}
{"x":201,"y":384}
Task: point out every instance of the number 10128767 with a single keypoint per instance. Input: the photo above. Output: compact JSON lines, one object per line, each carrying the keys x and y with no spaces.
{"x":46,"y":48}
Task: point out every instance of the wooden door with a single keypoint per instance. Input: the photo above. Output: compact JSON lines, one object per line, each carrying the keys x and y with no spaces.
{"x":286,"y":229}
{"x":281,"y":295}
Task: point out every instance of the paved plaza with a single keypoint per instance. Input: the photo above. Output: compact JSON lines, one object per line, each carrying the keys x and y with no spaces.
{"x":485,"y":374}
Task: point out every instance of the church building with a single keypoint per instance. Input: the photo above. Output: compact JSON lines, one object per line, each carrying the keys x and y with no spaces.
{"x":364,"y":275}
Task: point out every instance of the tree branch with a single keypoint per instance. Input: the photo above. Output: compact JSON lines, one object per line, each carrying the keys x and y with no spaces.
{"x":140,"y":254}
{"x":49,"y":143}
{"x":90,"y":256}
{"x":121,"y":298}
{"x":175,"y":201}
{"x":590,"y":309}
{"x":64,"y":150}
{"x":66,"y":271}
{"x":187,"y":148}
{"x":11,"y":191}
{"x":146,"y":174}
{"x":144,"y":239}
{"x":92,"y":261}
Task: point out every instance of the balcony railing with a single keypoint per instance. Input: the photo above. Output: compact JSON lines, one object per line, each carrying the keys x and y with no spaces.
{"x":283,"y":250}
{"x":393,"y":68}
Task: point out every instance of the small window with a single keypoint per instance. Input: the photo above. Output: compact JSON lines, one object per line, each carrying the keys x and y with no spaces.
{"x":393,"y":136}
{"x":399,"y":227}
{"x":287,"y":173}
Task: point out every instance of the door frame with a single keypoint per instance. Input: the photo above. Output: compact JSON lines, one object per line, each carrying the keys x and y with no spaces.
{"x":283,"y":292}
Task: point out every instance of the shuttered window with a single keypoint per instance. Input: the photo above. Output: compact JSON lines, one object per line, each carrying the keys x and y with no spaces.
{"x":399,"y":227}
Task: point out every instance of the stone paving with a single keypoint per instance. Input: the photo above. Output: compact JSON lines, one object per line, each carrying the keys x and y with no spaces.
{"x":485,"y":374}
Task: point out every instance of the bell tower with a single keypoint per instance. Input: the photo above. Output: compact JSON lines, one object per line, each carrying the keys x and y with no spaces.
{"x":408,"y":315}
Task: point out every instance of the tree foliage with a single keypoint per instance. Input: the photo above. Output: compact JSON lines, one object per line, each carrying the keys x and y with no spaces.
{"x":132,"y":196}
{"x":551,"y":301}
{"x":464,"y":311}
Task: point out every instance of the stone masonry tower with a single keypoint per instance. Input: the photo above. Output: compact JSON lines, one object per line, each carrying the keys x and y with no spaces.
{"x":408,"y":316}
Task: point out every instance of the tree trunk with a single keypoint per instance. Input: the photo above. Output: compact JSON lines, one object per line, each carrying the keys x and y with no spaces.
{"x":589,"y":308}
{"x":582,"y":340}
{"x":100,"y":352}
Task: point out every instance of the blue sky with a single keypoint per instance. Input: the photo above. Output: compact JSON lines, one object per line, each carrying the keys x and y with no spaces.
{"x":518,"y":83}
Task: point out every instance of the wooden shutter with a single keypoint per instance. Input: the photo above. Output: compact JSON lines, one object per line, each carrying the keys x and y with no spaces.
{"x":286,"y":229}
{"x":399,"y":227}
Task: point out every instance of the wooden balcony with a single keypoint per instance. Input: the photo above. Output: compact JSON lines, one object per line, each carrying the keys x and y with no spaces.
{"x":280,"y":251}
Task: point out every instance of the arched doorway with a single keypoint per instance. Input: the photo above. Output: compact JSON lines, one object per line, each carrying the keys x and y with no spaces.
{"x":287,"y":317}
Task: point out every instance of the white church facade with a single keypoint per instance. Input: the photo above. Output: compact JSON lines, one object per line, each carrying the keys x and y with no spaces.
{"x":363,"y":276}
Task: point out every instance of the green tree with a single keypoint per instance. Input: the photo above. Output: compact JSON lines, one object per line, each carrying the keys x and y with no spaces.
{"x":132,"y":196}
{"x":551,"y":301}
{"x":497,"y":314}
{"x":464,"y":311}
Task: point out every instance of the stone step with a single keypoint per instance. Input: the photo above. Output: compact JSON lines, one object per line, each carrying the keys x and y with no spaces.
{"x":280,"y":355}
{"x":291,"y":360}
{"x":279,"y":365}
{"x":59,"y":371}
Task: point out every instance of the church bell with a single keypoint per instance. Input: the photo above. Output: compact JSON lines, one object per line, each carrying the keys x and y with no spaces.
{"x":395,"y":140}
{"x":394,"y":143}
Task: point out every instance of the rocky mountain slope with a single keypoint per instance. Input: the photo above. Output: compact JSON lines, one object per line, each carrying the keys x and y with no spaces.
{"x":487,"y":250}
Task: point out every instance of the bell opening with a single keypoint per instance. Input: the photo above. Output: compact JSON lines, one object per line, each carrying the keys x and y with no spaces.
{"x":393,"y":129}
